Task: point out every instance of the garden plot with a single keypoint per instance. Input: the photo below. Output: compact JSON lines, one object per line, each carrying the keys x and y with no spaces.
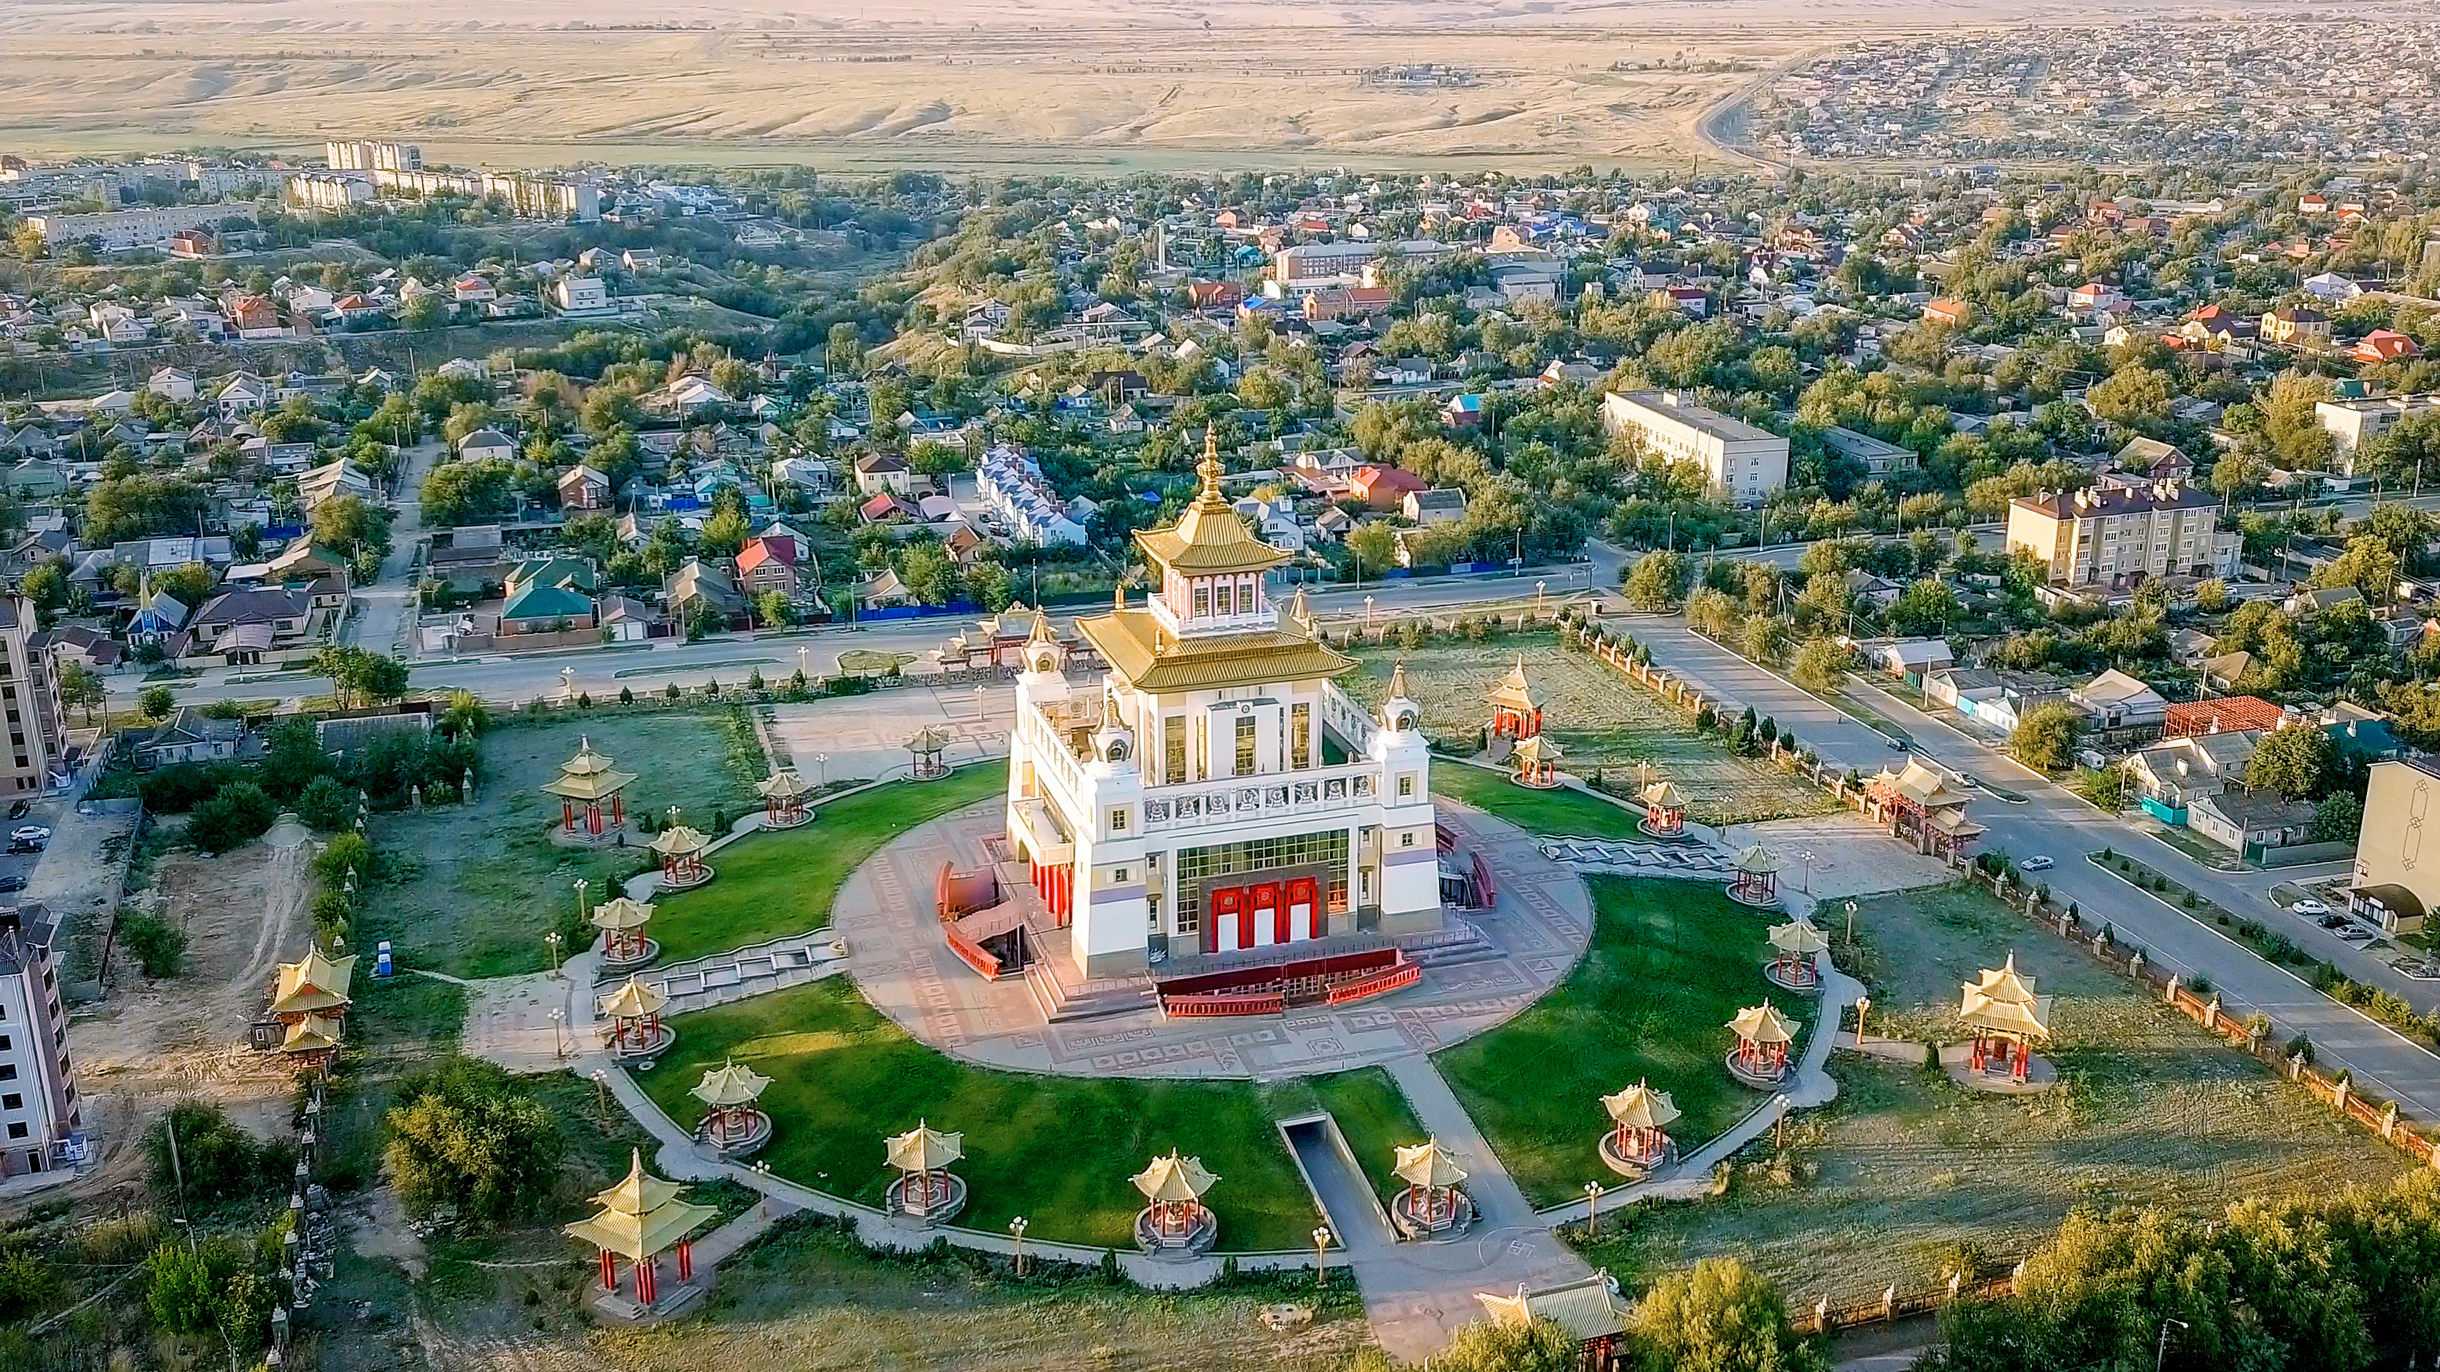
{"x":1604,"y":721}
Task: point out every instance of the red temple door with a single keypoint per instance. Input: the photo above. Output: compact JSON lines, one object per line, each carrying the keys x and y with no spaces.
{"x":1304,"y":908}
{"x":1270,"y":916}
{"x":1229,"y":926}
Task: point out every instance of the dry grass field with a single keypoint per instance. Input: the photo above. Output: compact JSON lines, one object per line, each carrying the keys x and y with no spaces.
{"x":1599,"y":717}
{"x":984,"y":85}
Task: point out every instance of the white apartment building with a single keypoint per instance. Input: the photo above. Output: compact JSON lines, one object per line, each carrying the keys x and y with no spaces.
{"x":1012,"y":482}
{"x":529,"y":196}
{"x":40,"y":1113}
{"x":329,"y":190}
{"x":1215,"y":790}
{"x":123,"y":230}
{"x":368,"y":155}
{"x":1321,"y":262}
{"x":2353,"y":423}
{"x":1744,"y":463}
{"x":2117,"y":537}
{"x":29,"y":705}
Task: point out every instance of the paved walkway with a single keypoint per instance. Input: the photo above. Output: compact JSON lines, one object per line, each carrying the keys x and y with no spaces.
{"x":384,"y":615}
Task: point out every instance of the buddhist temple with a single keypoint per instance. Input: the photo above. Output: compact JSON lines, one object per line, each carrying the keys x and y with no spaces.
{"x":1791,"y":967}
{"x":587,"y":785}
{"x":1919,"y":804}
{"x":1536,"y":757}
{"x":1638,"y":1141}
{"x":1756,"y":878}
{"x":636,"y":1028}
{"x":2007,"y":1019}
{"x":1588,"y":1309}
{"x":926,"y":1189}
{"x":1760,"y":1058}
{"x":622,"y":924}
{"x":1215,"y":790}
{"x":1516,"y":708}
{"x":1175,"y":1220}
{"x":681,"y":848}
{"x":783,"y":794}
{"x":639,"y":1219}
{"x":1431,"y":1206}
{"x":1664,"y":810}
{"x":734,"y":1123}
{"x":310,"y":1002}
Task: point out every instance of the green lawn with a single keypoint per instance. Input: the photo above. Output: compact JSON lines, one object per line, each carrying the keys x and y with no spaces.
{"x":1671,"y":963}
{"x":772,"y":885}
{"x":1560,"y":813}
{"x":1057,"y":1150}
{"x":472,"y":889}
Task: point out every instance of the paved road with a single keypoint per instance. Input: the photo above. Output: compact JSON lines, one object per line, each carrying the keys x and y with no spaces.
{"x":382,"y":621}
{"x":2053,"y":822}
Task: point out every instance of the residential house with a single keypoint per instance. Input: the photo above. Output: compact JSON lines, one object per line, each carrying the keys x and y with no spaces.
{"x":544,"y":607}
{"x":487,"y":444}
{"x":2169,"y":776}
{"x":880,"y":473}
{"x":2114,"y":701}
{"x":1463,"y":411}
{"x":245,"y":627}
{"x":2247,"y":822}
{"x":88,"y":648}
{"x":2384,"y":345}
{"x":767,"y":564}
{"x":173,"y":384}
{"x":1878,"y":458}
{"x":584,"y":487}
{"x":1383,"y":488}
{"x":1949,"y":311}
{"x":2296,"y":326}
{"x":701,"y":585}
{"x":189,"y":735}
{"x":1911,"y":659}
{"x":1442,"y":505}
{"x":2117,"y":537}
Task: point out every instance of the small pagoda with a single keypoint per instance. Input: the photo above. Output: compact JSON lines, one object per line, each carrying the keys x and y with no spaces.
{"x":924,"y":754}
{"x":640,"y":1219}
{"x":926,"y":1189}
{"x":636,"y":1027}
{"x":783,"y":794}
{"x":1516,"y":708}
{"x":1754,"y":879}
{"x":1664,"y":811}
{"x":1537,"y":762}
{"x":1760,"y":1059}
{"x":1176,"y":1222}
{"x":622,"y":922}
{"x":682,"y":847}
{"x":733,"y":1123}
{"x":310,"y":1001}
{"x":1431,"y":1206}
{"x":587,"y":786}
{"x":1638,"y":1143}
{"x":1791,"y":967}
{"x":2006,"y":1019}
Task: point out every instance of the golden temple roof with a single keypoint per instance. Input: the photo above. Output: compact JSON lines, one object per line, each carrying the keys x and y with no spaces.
{"x":1663,"y":794}
{"x":1762,"y":1024}
{"x":1515,"y":692}
{"x":925,"y":1149}
{"x":1921,"y":785}
{"x":678,"y":839}
{"x":640,"y":1216}
{"x":1538,"y":748}
{"x":1210,"y":539}
{"x":1146,"y":656}
{"x":313,"y":983}
{"x":1798,"y":938}
{"x":1641,"y":1107}
{"x":729,"y":1084}
{"x":1586,"y":1308}
{"x":1427,"y":1164}
{"x":1758,"y":860}
{"x":588,"y":776}
{"x":1174,"y":1180}
{"x":2003,"y":1000}
{"x":632,"y":1000}
{"x":621,"y":914}
{"x":783,"y":784}
{"x":311,"y":1034}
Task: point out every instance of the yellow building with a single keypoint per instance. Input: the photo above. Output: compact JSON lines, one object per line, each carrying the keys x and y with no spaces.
{"x":2116,"y":538}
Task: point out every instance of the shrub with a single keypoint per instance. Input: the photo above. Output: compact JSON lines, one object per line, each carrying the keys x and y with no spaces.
{"x":2300,"y":1046}
{"x":626,"y":695}
{"x":237,"y":814}
{"x":348,"y":852}
{"x":216,"y":1160}
{"x":467,"y":1133}
{"x":327,"y":804}
{"x":158,"y":946}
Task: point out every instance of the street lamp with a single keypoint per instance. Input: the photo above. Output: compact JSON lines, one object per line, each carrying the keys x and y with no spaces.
{"x":822,"y":762}
{"x":1592,"y":1209}
{"x":1851,"y":921}
{"x":2162,"y":1354}
{"x":552,"y":938}
{"x":1321,"y":1251}
{"x":1805,"y":882}
{"x":559,"y":1041}
{"x":800,"y":664}
{"x":1016,"y":1230}
{"x":1368,"y":612}
{"x":1863,"y":1007}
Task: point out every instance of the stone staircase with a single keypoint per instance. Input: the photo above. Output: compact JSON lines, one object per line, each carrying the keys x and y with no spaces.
{"x":725,"y":978}
{"x":1065,"y":997}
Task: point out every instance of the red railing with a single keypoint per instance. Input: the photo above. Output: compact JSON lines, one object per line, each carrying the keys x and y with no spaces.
{"x":1270,"y":975}
{"x":1378,"y":983}
{"x":1225,"y":1003}
{"x":970,"y":950}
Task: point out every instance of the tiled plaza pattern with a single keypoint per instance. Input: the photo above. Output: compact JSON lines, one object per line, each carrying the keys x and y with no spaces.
{"x":1540,"y":927}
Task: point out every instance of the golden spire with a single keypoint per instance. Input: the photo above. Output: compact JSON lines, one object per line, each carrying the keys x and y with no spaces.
{"x":1209,"y":469}
{"x":1397,"y":680}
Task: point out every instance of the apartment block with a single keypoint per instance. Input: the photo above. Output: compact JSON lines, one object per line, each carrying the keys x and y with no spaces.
{"x":2119,"y":536}
{"x":40,"y":1114}
{"x":1744,"y":463}
{"x":29,"y":702}
{"x":367,"y":155}
{"x":121,"y":230}
{"x":2353,"y":423}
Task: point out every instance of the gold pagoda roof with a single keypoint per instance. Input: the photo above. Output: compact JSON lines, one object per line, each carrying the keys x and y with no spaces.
{"x":679,"y":838}
{"x":1763,"y":1024}
{"x":1758,"y":860}
{"x":311,"y":1034}
{"x":640,"y":1216}
{"x":928,"y":739}
{"x":925,"y":1149}
{"x":2003,"y":1000}
{"x":622,"y":914}
{"x":633,"y":1000}
{"x":1921,"y":785}
{"x":1641,"y":1107}
{"x":1798,"y":938}
{"x":729,"y":1084}
{"x":588,"y":776}
{"x":313,"y":983}
{"x":1146,"y":656}
{"x":1427,"y":1164}
{"x":1664,"y":794}
{"x":1174,"y":1180}
{"x":1586,"y":1308}
{"x":1210,"y":539}
{"x":1515,"y":692}
{"x":1539,"y":748}
{"x":783,"y":784}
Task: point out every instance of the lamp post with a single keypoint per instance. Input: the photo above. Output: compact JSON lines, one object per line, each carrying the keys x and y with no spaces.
{"x":559,"y":1040}
{"x":1016,"y":1231}
{"x":1805,"y":882}
{"x":552,"y":938}
{"x":1863,"y":1007}
{"x":1368,"y":612}
{"x":821,"y":762}
{"x":2161,"y":1355}
{"x":1321,"y":1252}
{"x":1592,"y":1209}
{"x":800,"y":664}
{"x":1851,"y":921}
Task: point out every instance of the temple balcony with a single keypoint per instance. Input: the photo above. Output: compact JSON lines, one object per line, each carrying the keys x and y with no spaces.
{"x":1226,"y":802}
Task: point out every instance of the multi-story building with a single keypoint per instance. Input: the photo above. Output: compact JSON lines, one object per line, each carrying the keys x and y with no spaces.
{"x":329,"y":190}
{"x":1215,"y":790}
{"x":121,"y":230}
{"x":2116,"y":537}
{"x":40,"y":1115}
{"x":529,"y":196}
{"x":2353,"y":423}
{"x":367,"y":155}
{"x":30,"y":703}
{"x":2395,"y":885}
{"x":1744,"y":463}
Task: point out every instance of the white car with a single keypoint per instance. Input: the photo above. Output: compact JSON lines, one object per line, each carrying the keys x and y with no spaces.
{"x":29,"y":833}
{"x":2310,"y":906}
{"x":2036,"y":864}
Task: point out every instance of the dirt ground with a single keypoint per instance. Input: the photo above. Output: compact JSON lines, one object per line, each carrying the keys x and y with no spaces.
{"x":154,"y":1043}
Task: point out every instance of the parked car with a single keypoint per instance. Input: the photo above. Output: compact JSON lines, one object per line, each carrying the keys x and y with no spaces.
{"x":2036,"y":864}
{"x":11,"y":884}
{"x":2310,"y":906}
{"x":29,"y":833}
{"x":2356,"y":933}
{"x":21,"y":809}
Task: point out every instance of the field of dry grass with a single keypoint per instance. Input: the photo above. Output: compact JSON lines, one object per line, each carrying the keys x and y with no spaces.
{"x":1599,"y":717}
{"x":1910,"y":1167}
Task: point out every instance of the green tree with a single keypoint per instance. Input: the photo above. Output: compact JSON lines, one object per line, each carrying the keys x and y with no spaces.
{"x":236,"y":815}
{"x":1489,"y":1346}
{"x":927,"y":572}
{"x":47,"y":586}
{"x":773,"y":609}
{"x":465,"y":1133}
{"x":155,"y":702}
{"x":1821,"y":665}
{"x":2339,"y":818}
{"x":81,"y":687}
{"x":2211,"y":595}
{"x":327,"y":804}
{"x":28,"y":242}
{"x":1657,"y":582}
{"x":1720,"y":1317}
{"x":423,"y":312}
{"x":1927,"y":607}
{"x":2294,"y":761}
{"x":2045,"y":738}
{"x":2369,"y":564}
{"x":1374,"y":545}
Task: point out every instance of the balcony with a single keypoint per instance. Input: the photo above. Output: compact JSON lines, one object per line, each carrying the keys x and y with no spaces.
{"x":1271,"y":795}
